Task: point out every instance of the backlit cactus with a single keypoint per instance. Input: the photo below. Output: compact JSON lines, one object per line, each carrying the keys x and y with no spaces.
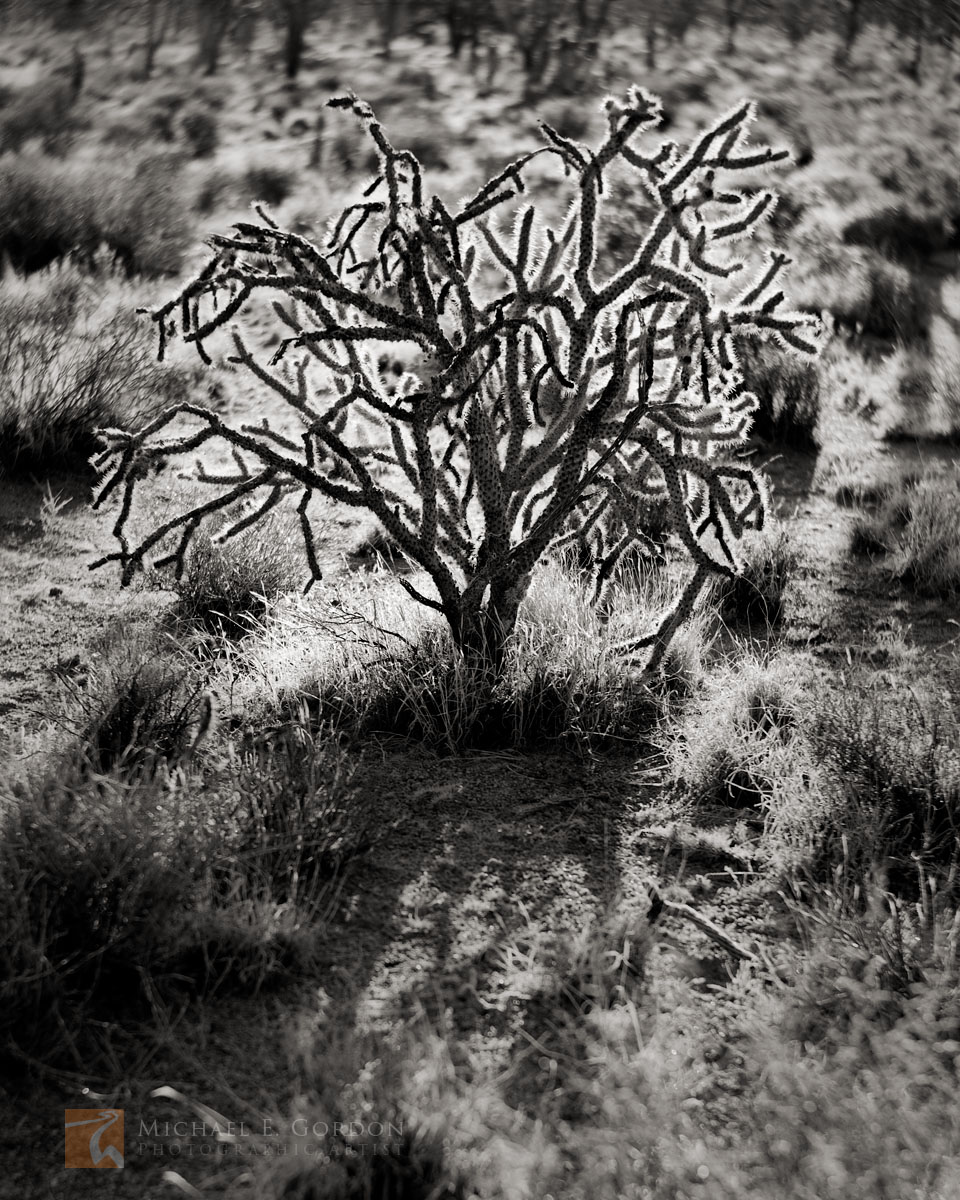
{"x":542,"y":409}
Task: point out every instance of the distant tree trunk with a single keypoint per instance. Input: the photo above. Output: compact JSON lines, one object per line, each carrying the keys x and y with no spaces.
{"x":78,"y":68}
{"x":294,"y":40}
{"x":651,"y":36}
{"x":389,"y":13}
{"x":851,"y":30}
{"x":157,"y":15}
{"x":215,"y":18}
{"x":915,"y":69}
{"x":461,"y":25}
{"x":731,"y":12}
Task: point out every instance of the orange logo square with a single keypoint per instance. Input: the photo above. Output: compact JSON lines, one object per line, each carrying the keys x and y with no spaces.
{"x":93,"y":1137}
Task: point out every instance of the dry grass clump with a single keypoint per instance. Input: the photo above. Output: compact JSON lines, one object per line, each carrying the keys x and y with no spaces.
{"x":226,"y":588}
{"x":142,"y":710}
{"x":895,"y":759}
{"x":915,"y":529}
{"x":788,"y":390}
{"x":73,"y":357}
{"x":743,"y":745}
{"x":121,"y":895}
{"x":754,"y":599}
{"x":377,"y":666}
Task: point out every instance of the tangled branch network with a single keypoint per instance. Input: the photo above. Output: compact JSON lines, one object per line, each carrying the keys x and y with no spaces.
{"x":547,"y":407}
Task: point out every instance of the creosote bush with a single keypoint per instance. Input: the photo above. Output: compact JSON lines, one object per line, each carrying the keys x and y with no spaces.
{"x":562,"y":397}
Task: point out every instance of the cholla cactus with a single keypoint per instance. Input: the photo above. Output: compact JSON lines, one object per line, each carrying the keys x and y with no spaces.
{"x":539,"y":414}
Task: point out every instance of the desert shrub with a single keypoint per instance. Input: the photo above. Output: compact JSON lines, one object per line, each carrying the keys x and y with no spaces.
{"x":43,"y":110}
{"x":125,"y":133}
{"x":790,"y":209}
{"x":73,"y":358}
{"x":50,"y":210}
{"x":200,"y":129}
{"x":226,"y":588}
{"x":926,"y":396}
{"x":272,"y":184}
{"x":119,"y":894}
{"x":788,"y":394}
{"x":425,"y":140}
{"x":513,"y":432}
{"x":418,"y":79}
{"x":139,"y":711}
{"x":568,"y":118}
{"x":160,"y":114}
{"x":754,"y":598}
{"x":350,"y":151}
{"x":900,"y":234}
{"x":895,"y":761}
{"x":629,"y":209}
{"x":212,"y":188}
{"x":788,"y":116}
{"x":865,"y":294}
{"x":376,"y":546}
{"x":915,"y":526}
{"x":893,"y":305}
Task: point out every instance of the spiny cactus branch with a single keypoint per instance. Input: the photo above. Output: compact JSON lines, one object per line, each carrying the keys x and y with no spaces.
{"x":531,"y":416}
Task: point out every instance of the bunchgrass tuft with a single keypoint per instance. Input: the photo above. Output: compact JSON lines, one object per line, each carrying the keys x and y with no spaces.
{"x":754,"y":599}
{"x":227,"y":588}
{"x":915,"y":529}
{"x":895,"y":757}
{"x":379,"y":668}
{"x":742,"y":744}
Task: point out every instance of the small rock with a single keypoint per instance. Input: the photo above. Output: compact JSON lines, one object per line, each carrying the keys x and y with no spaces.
{"x":55,"y":592}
